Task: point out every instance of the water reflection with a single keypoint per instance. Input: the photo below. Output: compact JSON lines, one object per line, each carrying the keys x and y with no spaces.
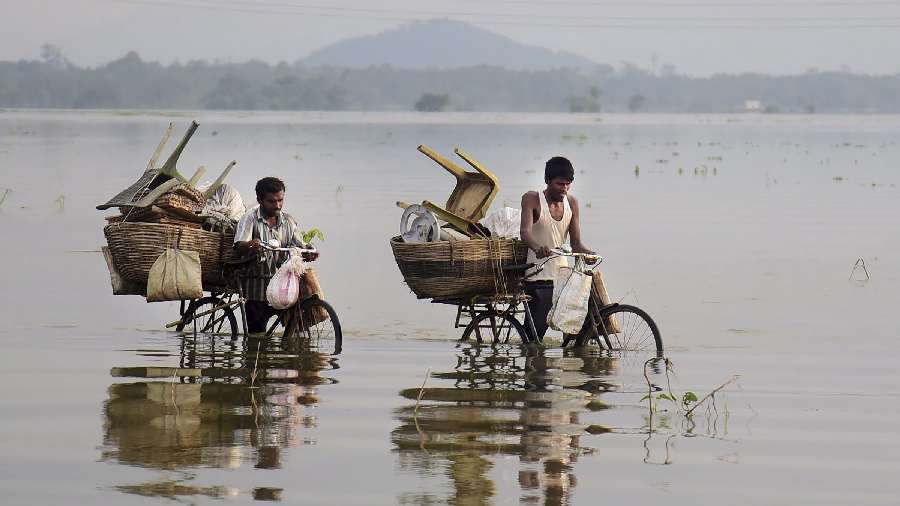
{"x":503,"y":401}
{"x":226,"y":405}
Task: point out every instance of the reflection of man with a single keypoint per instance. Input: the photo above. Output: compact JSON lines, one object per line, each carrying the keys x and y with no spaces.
{"x":549,"y":217}
{"x":265,"y":224}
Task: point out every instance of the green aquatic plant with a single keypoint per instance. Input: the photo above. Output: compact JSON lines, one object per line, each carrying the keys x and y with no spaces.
{"x":688,"y":402}
{"x":313,"y":233}
{"x":687,"y":399}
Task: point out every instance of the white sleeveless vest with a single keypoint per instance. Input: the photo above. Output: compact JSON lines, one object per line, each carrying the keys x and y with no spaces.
{"x":551,"y":233}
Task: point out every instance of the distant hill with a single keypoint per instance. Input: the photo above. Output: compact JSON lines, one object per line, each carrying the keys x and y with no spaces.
{"x":442,"y":44}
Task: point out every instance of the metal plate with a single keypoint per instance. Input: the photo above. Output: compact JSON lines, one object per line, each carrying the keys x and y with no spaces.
{"x":419,"y":225}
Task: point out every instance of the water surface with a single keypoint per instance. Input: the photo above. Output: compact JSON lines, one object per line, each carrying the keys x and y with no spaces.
{"x":737,"y":233}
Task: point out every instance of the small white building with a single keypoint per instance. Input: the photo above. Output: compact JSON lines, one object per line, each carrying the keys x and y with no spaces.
{"x":752,"y":106}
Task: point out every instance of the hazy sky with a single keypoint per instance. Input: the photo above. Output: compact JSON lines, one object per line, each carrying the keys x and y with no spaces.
{"x":699,"y":37}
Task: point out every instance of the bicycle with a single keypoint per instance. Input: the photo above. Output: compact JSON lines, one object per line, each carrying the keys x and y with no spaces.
{"x":311,"y":320}
{"x":615,"y":327}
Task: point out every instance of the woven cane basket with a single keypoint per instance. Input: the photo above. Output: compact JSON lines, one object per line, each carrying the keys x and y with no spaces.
{"x":459,"y":269}
{"x":135,"y":246}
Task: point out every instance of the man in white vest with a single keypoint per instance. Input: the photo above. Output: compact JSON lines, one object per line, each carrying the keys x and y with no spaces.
{"x":549,"y":217}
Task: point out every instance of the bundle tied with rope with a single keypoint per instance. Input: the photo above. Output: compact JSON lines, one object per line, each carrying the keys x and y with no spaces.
{"x":175,"y":275}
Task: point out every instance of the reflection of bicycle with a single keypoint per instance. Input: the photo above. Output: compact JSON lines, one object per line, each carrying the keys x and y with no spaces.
{"x":614,"y":326}
{"x":311,"y":319}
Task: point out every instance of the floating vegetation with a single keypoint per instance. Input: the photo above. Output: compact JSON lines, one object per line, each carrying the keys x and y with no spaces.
{"x":714,"y":158}
{"x":637,"y":170}
{"x":5,"y":194}
{"x":837,"y":178}
{"x":60,"y":203}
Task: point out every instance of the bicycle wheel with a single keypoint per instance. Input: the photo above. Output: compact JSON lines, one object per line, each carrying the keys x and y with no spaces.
{"x":315,"y":323}
{"x":212,"y":319}
{"x":632,"y":330}
{"x":495,"y":327}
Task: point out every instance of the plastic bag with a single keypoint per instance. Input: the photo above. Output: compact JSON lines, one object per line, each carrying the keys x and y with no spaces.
{"x":175,"y":275}
{"x":571,"y":292}
{"x":283,"y":289}
{"x":504,"y":223}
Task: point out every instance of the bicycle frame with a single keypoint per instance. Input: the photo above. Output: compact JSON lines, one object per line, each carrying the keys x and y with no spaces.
{"x":235,"y":287}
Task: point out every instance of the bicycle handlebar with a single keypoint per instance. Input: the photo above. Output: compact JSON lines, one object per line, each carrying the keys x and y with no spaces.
{"x":558,"y":252}
{"x":302,"y":250}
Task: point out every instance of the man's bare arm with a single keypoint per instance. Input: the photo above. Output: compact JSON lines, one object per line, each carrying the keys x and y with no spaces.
{"x":530,"y":203}
{"x":575,"y":228}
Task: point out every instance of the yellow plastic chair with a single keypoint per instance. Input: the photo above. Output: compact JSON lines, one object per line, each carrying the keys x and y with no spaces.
{"x":470,"y":199}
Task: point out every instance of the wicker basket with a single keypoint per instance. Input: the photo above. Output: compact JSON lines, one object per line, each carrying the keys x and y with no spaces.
{"x":459,"y":269}
{"x":135,"y":246}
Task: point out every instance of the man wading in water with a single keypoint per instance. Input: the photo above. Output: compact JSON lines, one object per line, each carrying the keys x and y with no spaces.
{"x":263,"y":224}
{"x":548,"y":218}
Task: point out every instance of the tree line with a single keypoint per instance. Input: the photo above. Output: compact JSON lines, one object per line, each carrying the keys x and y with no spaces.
{"x":133,"y":83}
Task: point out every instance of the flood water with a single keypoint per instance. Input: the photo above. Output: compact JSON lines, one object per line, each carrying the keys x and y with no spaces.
{"x":738,"y":234}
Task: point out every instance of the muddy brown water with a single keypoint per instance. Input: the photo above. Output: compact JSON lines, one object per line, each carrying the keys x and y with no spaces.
{"x":736,"y":233}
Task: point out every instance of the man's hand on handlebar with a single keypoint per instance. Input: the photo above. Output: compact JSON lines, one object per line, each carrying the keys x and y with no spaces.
{"x":310,"y":256}
{"x":246,"y":248}
{"x":543,"y":252}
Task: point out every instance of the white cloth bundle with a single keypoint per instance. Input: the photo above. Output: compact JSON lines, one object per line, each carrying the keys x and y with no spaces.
{"x":504,"y":223}
{"x":225,"y":204}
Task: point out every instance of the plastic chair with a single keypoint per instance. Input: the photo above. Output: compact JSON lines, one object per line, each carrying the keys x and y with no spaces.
{"x":472,"y":196}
